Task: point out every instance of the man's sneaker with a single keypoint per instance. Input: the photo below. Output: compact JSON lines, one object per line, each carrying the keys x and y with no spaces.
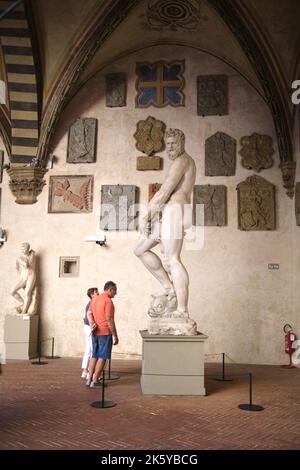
{"x":88,"y":382}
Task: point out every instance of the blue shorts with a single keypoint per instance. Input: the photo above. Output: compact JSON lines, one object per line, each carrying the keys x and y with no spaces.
{"x":101,"y":346}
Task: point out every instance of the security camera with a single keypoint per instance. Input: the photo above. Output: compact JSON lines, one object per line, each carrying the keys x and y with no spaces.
{"x":100,"y":238}
{"x":2,"y":236}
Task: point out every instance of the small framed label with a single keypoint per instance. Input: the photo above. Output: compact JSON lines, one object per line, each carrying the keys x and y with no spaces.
{"x":273,"y":266}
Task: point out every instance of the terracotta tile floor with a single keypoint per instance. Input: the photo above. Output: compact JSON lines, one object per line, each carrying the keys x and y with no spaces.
{"x":48,"y":407}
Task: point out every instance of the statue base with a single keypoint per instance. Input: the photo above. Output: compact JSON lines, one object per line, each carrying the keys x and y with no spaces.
{"x":176,"y":326}
{"x":173,"y":365}
{"x":21,"y":336}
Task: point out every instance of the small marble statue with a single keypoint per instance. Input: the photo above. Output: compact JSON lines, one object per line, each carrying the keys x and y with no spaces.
{"x":26,"y":267}
{"x":165,"y":223}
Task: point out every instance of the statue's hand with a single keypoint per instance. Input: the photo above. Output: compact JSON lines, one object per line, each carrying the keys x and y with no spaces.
{"x":146,"y":227}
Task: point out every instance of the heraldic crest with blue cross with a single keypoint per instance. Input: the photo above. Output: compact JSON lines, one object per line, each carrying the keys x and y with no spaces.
{"x":160,"y":84}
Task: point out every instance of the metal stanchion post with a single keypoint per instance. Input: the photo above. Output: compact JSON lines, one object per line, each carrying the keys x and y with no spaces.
{"x":39,"y":362}
{"x":223,"y":379}
{"x":249,"y":406}
{"x":52,"y":353}
{"x":103,"y":403}
{"x":110,"y":376}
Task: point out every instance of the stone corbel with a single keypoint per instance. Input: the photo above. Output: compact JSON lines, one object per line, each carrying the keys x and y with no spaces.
{"x":288,"y":170}
{"x":26,"y":183}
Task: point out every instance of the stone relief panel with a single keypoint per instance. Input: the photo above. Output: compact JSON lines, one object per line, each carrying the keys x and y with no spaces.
{"x":153,"y":188}
{"x":82,"y":141}
{"x":212,"y":95}
{"x":256,"y":152}
{"x":118,"y":211}
{"x":297,"y":203}
{"x":256,"y":204}
{"x":220,"y":155}
{"x":214,"y":200}
{"x":116,"y":87}
{"x":70,"y":194}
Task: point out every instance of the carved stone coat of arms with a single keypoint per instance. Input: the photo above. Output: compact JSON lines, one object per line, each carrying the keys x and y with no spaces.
{"x":150,"y":135}
{"x":256,"y":152}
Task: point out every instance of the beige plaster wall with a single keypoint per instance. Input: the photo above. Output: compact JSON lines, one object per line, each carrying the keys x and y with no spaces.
{"x":235,"y":299}
{"x":295,"y":317}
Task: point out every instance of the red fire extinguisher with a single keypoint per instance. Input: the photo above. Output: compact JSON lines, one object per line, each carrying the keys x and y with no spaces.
{"x":289,"y":338}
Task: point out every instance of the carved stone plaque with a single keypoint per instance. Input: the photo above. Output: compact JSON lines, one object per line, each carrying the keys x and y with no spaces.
{"x":149,"y":135}
{"x":220,"y":155}
{"x":212,"y":95}
{"x":82,"y":141}
{"x":153,"y":188}
{"x":118,"y":211}
{"x":214,"y":199}
{"x":297,"y":203}
{"x":148,"y":163}
{"x":71,"y":193}
{"x":256,"y":204}
{"x":116,"y":90}
{"x":256,"y":152}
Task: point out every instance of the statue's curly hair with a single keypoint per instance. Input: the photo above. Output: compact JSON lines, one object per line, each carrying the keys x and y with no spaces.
{"x":175,"y":133}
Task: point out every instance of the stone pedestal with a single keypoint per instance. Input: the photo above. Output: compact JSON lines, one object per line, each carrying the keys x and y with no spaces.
{"x":20,"y":336}
{"x":173,"y":365}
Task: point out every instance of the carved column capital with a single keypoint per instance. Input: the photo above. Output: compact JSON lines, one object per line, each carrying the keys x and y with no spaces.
{"x":288,"y":170}
{"x":26,"y":183}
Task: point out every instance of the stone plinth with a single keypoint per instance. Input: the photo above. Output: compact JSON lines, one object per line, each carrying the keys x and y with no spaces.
{"x":20,"y":336}
{"x":173,"y":365}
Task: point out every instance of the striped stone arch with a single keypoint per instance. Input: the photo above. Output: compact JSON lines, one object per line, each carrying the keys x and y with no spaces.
{"x":21,"y":79}
{"x":102,"y":26}
{"x":30,"y":129}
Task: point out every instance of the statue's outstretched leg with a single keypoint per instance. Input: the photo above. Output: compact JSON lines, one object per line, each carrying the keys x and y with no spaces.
{"x":153,"y":262}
